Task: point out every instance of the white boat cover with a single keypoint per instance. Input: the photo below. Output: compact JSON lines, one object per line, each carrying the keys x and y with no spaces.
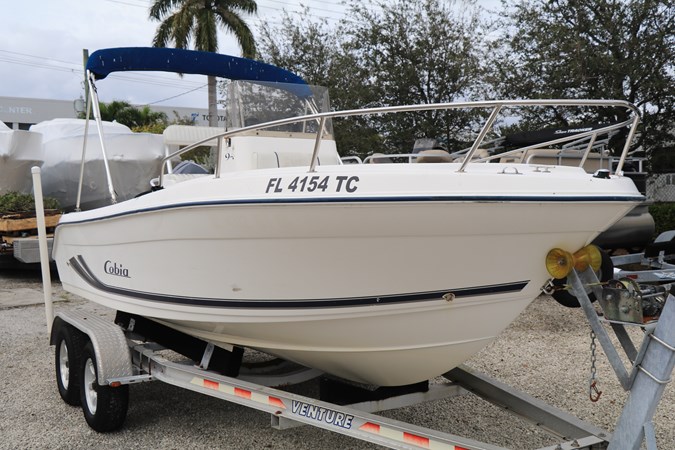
{"x":135,"y":159}
{"x":19,"y":151}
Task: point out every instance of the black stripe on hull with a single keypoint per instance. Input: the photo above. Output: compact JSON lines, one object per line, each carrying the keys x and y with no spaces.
{"x":82,"y":269}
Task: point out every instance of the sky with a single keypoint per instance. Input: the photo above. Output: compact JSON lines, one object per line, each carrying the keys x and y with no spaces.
{"x":42,"y":46}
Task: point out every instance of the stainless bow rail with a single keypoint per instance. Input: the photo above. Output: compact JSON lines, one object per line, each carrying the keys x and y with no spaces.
{"x":496,"y":106}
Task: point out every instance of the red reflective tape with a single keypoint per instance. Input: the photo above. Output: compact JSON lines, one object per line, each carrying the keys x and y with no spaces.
{"x":242,"y":393}
{"x":276,"y":402}
{"x":460,"y":448}
{"x":417,"y":440}
{"x":211,"y":384}
{"x":370,"y":427}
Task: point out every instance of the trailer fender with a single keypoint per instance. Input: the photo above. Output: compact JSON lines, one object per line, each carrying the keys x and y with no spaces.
{"x":113,"y":358}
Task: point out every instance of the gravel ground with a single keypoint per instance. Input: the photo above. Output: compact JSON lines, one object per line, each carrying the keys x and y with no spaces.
{"x":544,"y":353}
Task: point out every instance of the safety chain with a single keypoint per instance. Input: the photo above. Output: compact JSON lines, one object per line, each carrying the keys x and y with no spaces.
{"x":593,"y":392}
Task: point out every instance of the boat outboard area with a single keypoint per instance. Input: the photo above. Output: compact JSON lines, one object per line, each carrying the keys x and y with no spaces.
{"x":385,"y":274}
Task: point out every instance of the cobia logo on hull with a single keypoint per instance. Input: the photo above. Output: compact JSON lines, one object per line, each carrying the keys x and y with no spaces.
{"x":112,"y":268}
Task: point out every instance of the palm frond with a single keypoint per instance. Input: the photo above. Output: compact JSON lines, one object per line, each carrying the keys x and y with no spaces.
{"x":233,"y":23}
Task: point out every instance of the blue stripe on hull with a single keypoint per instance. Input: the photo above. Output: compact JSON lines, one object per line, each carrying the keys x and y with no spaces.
{"x":356,"y":200}
{"x":82,"y":269}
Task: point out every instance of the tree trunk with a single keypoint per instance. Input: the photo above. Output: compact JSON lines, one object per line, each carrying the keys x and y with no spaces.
{"x":213,"y":102}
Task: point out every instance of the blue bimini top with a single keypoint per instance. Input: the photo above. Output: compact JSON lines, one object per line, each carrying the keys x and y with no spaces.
{"x":103,"y":62}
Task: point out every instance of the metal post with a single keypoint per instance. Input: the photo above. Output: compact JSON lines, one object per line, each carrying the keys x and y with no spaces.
{"x":629,"y":139}
{"x":85,"y":59}
{"x":99,"y":125}
{"x":603,"y":337}
{"x":544,"y":416}
{"x":654,"y":373}
{"x":44,"y":250}
{"x":588,"y":150}
{"x":219,"y":159}
{"x":481,"y":136}
{"x":84,"y":152}
{"x":317,"y":145}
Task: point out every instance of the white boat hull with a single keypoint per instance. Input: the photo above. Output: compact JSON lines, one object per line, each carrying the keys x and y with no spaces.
{"x":370,"y":285}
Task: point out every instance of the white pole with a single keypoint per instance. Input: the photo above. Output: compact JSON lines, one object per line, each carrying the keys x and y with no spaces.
{"x":44,"y":251}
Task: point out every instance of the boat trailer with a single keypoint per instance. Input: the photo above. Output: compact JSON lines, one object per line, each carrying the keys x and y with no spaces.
{"x":113,"y":357}
{"x":96,"y":361}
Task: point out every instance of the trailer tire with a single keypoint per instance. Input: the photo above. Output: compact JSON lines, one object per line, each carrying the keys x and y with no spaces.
{"x":105,"y":407}
{"x":566,"y":298}
{"x":69,"y":346}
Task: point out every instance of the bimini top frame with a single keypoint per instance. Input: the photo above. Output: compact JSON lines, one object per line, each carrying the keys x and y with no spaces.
{"x":103,"y":62}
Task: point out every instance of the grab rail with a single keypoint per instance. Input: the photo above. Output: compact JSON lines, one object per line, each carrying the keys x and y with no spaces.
{"x":496,"y":105}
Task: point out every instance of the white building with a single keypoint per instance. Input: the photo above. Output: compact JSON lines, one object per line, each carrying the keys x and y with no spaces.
{"x":20,"y":113}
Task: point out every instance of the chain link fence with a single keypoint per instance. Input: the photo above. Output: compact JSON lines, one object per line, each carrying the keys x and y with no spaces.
{"x":661,"y":187}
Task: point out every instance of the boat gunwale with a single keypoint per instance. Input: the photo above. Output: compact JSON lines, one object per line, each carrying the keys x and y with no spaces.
{"x":351,"y":201}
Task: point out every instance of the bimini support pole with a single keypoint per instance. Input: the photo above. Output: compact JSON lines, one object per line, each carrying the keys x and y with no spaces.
{"x":99,"y":125}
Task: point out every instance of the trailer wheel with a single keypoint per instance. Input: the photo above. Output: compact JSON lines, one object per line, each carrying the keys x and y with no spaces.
{"x":565,"y":297}
{"x":69,"y":347}
{"x":105,"y":407}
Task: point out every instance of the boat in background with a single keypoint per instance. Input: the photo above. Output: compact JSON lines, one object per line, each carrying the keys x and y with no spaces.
{"x":387,"y":274}
{"x":133,"y":159}
{"x":19,"y":151}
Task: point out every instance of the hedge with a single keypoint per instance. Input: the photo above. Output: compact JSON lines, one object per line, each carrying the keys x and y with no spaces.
{"x":664,"y":216}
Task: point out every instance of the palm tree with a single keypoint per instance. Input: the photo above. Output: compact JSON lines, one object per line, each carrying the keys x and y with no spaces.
{"x":131,"y":116}
{"x":197,"y":21}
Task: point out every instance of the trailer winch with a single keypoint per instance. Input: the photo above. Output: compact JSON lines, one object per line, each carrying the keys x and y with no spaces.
{"x":624,"y":300}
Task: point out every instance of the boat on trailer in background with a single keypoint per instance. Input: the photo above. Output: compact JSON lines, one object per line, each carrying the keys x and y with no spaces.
{"x":133,"y":159}
{"x":386,"y":274}
{"x":19,"y":151}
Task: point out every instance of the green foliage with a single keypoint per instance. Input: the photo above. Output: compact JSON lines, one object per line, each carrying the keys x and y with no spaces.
{"x":158,"y":126}
{"x":664,"y":216}
{"x":387,"y":53}
{"x":417,"y":53}
{"x":186,"y":22}
{"x":13,"y":202}
{"x":592,"y":49}
{"x":133,"y":117}
{"x":401,"y":52}
{"x":200,"y":155}
{"x":154,"y":128}
{"x":662,"y":160}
